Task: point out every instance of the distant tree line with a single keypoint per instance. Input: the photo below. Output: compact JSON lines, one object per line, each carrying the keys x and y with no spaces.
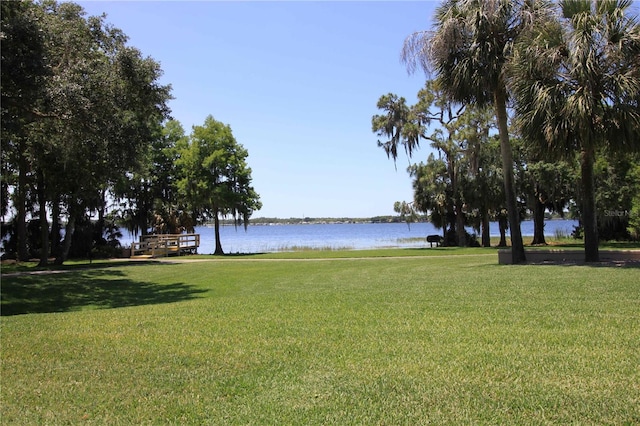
{"x":88,"y":144}
{"x":320,"y":220}
{"x":531,"y":107}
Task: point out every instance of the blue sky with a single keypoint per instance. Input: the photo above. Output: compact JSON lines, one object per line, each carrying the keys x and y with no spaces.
{"x":297,"y":82}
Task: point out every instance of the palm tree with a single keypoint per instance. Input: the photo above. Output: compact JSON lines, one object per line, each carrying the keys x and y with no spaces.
{"x":576,"y":80}
{"x":468,"y":50}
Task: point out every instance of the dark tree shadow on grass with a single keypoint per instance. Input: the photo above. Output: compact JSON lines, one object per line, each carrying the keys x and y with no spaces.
{"x":606,"y":264}
{"x":93,"y":288}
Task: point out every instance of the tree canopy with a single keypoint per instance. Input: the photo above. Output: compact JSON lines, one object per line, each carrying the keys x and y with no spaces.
{"x":576,"y":80}
{"x":86,"y":132}
{"x":215,"y":179}
{"x":468,"y":51}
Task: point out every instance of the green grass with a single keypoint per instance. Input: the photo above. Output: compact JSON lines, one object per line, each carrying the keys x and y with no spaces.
{"x":423,"y":338}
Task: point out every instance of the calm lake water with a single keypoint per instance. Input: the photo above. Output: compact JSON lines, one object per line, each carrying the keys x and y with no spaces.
{"x":270,"y":238}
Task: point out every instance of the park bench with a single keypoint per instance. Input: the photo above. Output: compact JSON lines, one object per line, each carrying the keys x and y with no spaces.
{"x":434,"y":239}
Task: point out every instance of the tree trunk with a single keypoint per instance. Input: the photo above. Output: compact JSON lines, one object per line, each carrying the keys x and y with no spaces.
{"x":461,"y":233}
{"x":589,"y":219}
{"x":461,"y":237}
{"x":216,"y":220}
{"x":68,"y":236}
{"x":538,"y":223}
{"x":450,"y":239}
{"x":517,"y":246}
{"x":55,"y":228}
{"x":99,"y":231}
{"x":21,"y":218}
{"x":502,"y":222}
{"x":44,"y":223}
{"x":486,"y":236}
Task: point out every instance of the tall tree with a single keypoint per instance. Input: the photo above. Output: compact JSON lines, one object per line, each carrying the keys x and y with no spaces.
{"x":405,"y":125}
{"x":548,"y":186}
{"x":634,"y":211}
{"x":468,"y":50}
{"x":576,"y":79}
{"x":617,"y":184}
{"x":216,"y":180}
{"x":434,"y":107}
{"x":431,"y":192}
{"x":109,"y":101}
{"x":82,"y":114}
{"x":24,"y":69}
{"x":150,"y":194}
{"x":478,"y":174}
{"x":463,"y":186}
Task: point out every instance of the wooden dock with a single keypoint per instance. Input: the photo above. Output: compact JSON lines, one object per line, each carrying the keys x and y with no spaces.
{"x":162,"y":245}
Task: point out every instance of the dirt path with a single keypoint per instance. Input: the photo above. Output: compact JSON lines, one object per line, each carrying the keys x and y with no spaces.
{"x":320,"y":259}
{"x":185,"y":259}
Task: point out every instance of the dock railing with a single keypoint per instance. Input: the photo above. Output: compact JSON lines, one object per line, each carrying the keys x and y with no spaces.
{"x":156,"y":245}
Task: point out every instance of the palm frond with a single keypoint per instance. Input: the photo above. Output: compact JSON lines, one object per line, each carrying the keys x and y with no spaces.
{"x":581,"y":86}
{"x":415,"y":52}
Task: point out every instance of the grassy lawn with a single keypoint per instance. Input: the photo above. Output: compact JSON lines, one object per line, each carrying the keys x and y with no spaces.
{"x":406,"y":337}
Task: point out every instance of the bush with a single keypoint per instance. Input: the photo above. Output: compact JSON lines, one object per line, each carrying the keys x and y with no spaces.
{"x":634,"y":220}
